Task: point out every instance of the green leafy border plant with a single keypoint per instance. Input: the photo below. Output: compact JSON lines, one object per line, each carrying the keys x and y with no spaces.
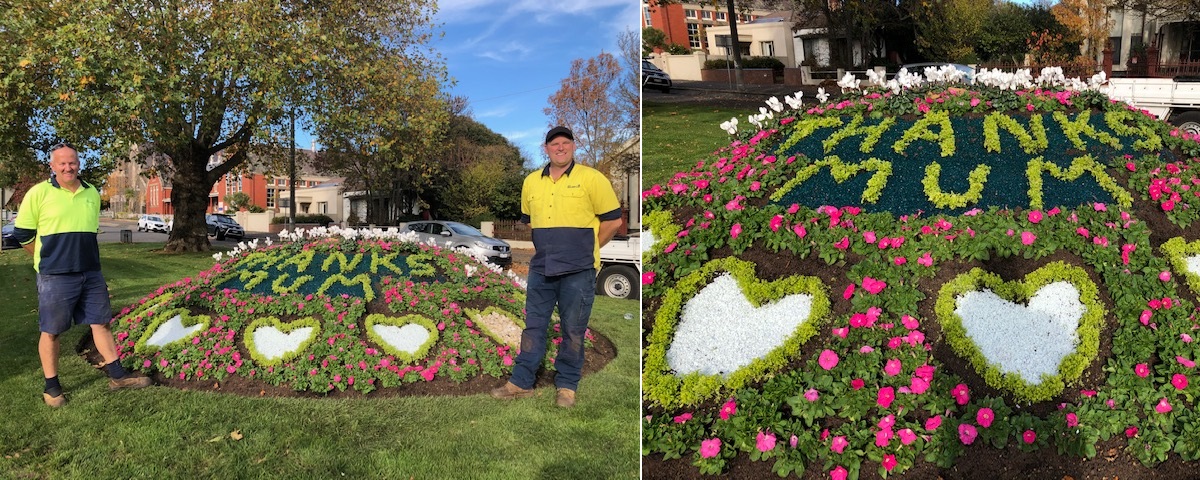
{"x":1078,"y":166}
{"x":1071,"y":367}
{"x":404,"y":357}
{"x":976,"y":180}
{"x":841,"y":172}
{"x":1177,"y":250}
{"x":187,"y":319}
{"x":286,"y":328}
{"x":665,"y":388}
{"x":475,"y":314}
{"x":660,"y":225}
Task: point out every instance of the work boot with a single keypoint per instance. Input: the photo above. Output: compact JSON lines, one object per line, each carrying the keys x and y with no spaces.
{"x":55,"y":402}
{"x":128,"y":381}
{"x":565,"y":398}
{"x":510,"y":391}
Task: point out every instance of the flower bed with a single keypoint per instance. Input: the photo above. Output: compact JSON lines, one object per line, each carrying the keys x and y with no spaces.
{"x":330,"y":310}
{"x":940,"y":214}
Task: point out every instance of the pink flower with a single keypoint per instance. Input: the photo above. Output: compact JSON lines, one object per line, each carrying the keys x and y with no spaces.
{"x":728,"y":410}
{"x":1130,"y":166}
{"x":1035,"y":216}
{"x":828,"y":359}
{"x":838,"y":473}
{"x":1142,"y":370}
{"x":839,"y":444}
{"x":985,"y":417}
{"x":887,"y":422}
{"x":1028,"y":237}
{"x":710,"y":448}
{"x":1145,"y":317}
{"x":1163,"y":406}
{"x":648,"y":278}
{"x":842,"y":244}
{"x":812,"y":395}
{"x":858,"y":384}
{"x":776,"y":222}
{"x":918,"y":385}
{"x":882,"y":438}
{"x":1185,"y":337}
{"x":1179,"y":381}
{"x":873,"y":286}
{"x":1029,"y":436}
{"x":907,"y":436}
{"x":800,"y":232}
{"x":900,"y":260}
{"x":1072,"y":420}
{"x":1185,"y":362}
{"x":765,"y":442}
{"x":926,"y":260}
{"x":886,"y":396}
{"x":849,"y":292}
{"x":892,"y":368}
{"x":794,"y":441}
{"x":869,"y":237}
{"x":967,"y":433}
{"x":889,"y":462}
{"x":735,"y":230}
{"x":933,"y":422}
{"x":841,"y":332}
{"x":1100,"y":207}
{"x":1131,"y":432}
{"x":1165,"y":276}
{"x":961,"y":394}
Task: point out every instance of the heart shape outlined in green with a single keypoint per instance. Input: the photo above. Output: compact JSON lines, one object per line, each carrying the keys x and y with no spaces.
{"x":170,"y":327}
{"x":662,"y":386}
{"x":404,"y":356}
{"x":1070,"y":368}
{"x":288,"y":332}
{"x":1178,"y":250}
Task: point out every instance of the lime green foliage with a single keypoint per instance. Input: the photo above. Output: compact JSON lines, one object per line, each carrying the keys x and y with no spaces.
{"x":281,"y":288}
{"x":251,"y":278}
{"x":1074,"y":129}
{"x":1079,"y":166}
{"x":665,"y":388}
{"x":388,"y":262}
{"x":1120,"y":123}
{"x":841,"y":172}
{"x":873,"y":134}
{"x":301,"y":260}
{"x":664,"y":231}
{"x":1072,"y":366}
{"x":1177,"y":250}
{"x":922,"y":131}
{"x":363,"y":280}
{"x":186,"y":319}
{"x":420,"y":265}
{"x":377,"y":319}
{"x":1032,"y":141}
{"x":804,"y":127}
{"x":306,"y":322}
{"x":976,"y":180}
{"x":343,"y":263}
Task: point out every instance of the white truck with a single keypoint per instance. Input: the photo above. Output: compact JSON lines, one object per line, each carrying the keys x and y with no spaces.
{"x":620,"y":268}
{"x":1174,"y":100}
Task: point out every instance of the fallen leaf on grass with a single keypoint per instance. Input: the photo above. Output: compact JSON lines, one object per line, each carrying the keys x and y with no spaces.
{"x":236,"y":435}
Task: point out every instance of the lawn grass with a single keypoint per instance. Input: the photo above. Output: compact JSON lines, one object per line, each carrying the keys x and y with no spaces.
{"x":161,"y":432}
{"x":675,"y":137}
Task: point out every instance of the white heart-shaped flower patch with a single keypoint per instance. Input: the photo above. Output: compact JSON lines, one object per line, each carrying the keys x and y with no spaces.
{"x":407,"y":338}
{"x":172,"y":331}
{"x":274,"y":344}
{"x":720,"y":331}
{"x":168,"y":327}
{"x":1029,"y":340}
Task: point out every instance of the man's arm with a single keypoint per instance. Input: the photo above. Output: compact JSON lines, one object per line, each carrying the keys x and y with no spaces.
{"x":28,"y":247}
{"x":608,"y":228}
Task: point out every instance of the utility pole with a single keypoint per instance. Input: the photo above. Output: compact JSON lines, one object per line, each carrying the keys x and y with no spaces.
{"x":292,"y":176}
{"x":737,"y":46}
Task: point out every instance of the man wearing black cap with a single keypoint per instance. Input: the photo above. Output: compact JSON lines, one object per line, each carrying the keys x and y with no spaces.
{"x":572,"y":211}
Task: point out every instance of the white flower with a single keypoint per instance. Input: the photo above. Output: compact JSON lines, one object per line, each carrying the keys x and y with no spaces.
{"x":730,"y":126}
{"x":775,"y":104}
{"x":217,"y":256}
{"x":848,"y":82}
{"x":875,"y":78}
{"x":794,"y":102}
{"x":821,"y":95}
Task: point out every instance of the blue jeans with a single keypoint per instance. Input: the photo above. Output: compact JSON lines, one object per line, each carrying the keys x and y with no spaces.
{"x":573,"y":293}
{"x":72,"y":299}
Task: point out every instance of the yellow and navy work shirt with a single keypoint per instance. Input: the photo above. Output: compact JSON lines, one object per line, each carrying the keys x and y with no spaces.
{"x":63,"y":224}
{"x":565,"y":217}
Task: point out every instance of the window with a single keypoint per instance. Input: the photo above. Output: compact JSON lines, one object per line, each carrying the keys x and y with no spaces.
{"x":270,"y":198}
{"x":707,"y":15}
{"x":322,"y":207}
{"x":1116,"y":48}
{"x":646,"y":15}
{"x":689,"y":13}
{"x":721,"y":16}
{"x":768,"y":48}
{"x":693,"y":30}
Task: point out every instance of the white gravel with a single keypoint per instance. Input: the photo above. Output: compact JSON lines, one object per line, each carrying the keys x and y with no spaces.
{"x":1029,"y":340}
{"x":1193,"y":264}
{"x":720,"y":331}
{"x":647,"y":240}
{"x":406,"y":339}
{"x":272,"y":343}
{"x":172,"y":331}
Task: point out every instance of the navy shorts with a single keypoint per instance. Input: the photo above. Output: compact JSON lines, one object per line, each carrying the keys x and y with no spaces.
{"x":72,"y":299}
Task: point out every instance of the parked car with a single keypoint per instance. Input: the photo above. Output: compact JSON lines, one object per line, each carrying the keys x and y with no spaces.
{"x":223,"y":226}
{"x":152,"y":223}
{"x":9,"y":236}
{"x":653,"y":77}
{"x":462,"y":236}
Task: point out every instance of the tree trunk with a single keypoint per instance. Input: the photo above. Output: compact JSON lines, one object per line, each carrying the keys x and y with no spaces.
{"x":189,"y":196}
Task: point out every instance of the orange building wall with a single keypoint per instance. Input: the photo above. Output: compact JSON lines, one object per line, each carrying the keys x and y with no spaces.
{"x":670,"y":19}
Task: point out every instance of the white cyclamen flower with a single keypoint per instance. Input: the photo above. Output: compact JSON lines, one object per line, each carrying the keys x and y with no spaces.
{"x":848,"y":82}
{"x":821,"y":95}
{"x":730,"y":126}
{"x":775,"y":104}
{"x":794,"y":102}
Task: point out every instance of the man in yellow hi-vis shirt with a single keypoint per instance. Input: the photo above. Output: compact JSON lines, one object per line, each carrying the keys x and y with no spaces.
{"x":572,"y":211}
{"x":57,"y":224}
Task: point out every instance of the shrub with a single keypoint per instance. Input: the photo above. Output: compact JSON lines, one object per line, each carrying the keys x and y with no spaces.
{"x":318,"y":218}
{"x":749,"y":62}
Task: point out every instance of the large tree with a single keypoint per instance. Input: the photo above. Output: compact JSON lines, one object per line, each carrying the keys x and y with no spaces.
{"x":588,"y":102}
{"x":1088,"y":22}
{"x":946,"y":30}
{"x":187,"y":79}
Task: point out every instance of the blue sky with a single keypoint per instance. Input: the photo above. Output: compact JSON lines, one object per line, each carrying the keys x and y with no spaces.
{"x":508,"y":57}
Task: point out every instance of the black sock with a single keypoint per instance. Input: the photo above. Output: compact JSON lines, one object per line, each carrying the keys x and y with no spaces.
{"x":53,"y":388}
{"x":115,"y":370}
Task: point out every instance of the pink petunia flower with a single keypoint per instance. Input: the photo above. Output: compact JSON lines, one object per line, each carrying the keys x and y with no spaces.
{"x":892,"y":368}
{"x":967,"y":433}
{"x":842,"y":244}
{"x":883,"y":438}
{"x":1185,"y":362}
{"x":848,"y":292}
{"x":1072,"y":420}
{"x":1165,"y":276}
{"x":1035,"y":216}
{"x":926,"y":260}
{"x":710,"y":448}
{"x":839,"y":444}
{"x":812,"y":395}
{"x":1028,"y":237}
{"x":648,"y":278}
{"x":1163,"y":406}
{"x":886,"y":396}
{"x":932,"y":423}
{"x":858,"y":384}
{"x":1131,"y":432}
{"x":961,"y":394}
{"x":1029,"y":436}
{"x":683,"y":417}
{"x":800,"y":232}
{"x":1179,"y":381}
{"x":889,"y":462}
{"x":728,"y":409}
{"x":735,"y":230}
{"x":985,"y":417}
{"x":838,"y":473}
{"x":1142,"y":370}
{"x":841,"y":332}
{"x":776,"y":222}
{"x":907,"y":436}
{"x":794,"y":441}
{"x":828,"y":359}
{"x":873,"y":286}
{"x":765,"y":442}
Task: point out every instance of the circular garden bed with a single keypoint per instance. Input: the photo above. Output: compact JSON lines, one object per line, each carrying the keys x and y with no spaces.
{"x":928,"y":279}
{"x":329,"y":311}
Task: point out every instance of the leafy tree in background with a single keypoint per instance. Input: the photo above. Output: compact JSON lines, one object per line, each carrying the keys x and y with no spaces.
{"x":1088,"y":22}
{"x":237,"y":201}
{"x":183,"y":81}
{"x":1003,"y":40}
{"x":653,"y":38}
{"x":946,"y":30}
{"x":629,"y":88}
{"x":588,"y":102}
{"x":481,"y":173}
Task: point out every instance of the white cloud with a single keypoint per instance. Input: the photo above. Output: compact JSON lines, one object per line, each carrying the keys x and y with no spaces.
{"x":495,"y":112}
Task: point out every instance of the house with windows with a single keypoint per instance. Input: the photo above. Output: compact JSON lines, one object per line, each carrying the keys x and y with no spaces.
{"x":687,"y":23}
{"x":321,"y":199}
{"x":1131,"y":32}
{"x":263,"y":187}
{"x":766,"y":36}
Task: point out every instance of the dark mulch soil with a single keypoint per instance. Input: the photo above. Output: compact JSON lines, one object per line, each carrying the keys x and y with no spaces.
{"x":602,"y":352}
